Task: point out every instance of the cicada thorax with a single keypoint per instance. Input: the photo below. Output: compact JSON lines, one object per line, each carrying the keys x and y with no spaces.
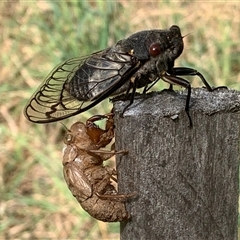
{"x":98,"y":74}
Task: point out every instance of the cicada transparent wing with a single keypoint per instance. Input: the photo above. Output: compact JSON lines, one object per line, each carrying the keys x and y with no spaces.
{"x":78,"y":84}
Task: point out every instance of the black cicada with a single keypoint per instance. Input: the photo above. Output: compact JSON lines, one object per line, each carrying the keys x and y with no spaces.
{"x":138,"y":61}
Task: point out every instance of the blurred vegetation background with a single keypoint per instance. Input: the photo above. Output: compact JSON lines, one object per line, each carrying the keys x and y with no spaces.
{"x":35,"y":202}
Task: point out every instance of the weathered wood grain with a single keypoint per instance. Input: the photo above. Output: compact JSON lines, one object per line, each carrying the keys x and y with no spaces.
{"x":186,"y":178}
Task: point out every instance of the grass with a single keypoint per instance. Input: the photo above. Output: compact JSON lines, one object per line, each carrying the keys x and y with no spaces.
{"x":38,"y":35}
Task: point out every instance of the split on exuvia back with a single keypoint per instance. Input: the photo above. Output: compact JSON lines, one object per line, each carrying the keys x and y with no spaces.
{"x":138,"y":61}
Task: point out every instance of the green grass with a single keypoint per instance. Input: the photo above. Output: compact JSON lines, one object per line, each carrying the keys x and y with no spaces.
{"x":37,"y":36}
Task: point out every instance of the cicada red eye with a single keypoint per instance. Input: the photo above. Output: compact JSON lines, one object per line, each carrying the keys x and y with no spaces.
{"x":155,"y":49}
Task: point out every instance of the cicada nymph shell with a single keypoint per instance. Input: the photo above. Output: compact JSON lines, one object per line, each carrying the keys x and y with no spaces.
{"x":87,"y":178}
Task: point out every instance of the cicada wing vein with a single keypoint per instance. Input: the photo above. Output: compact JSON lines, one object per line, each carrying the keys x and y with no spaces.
{"x":53,"y":102}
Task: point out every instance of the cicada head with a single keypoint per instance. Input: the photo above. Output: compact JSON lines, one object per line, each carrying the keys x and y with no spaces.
{"x":77,"y":135}
{"x":161,"y":47}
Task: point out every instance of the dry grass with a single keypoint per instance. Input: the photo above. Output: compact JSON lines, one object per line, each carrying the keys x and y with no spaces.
{"x":36,"y":35}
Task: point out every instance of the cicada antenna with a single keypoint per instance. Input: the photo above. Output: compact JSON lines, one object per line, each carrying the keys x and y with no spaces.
{"x":65,"y":126}
{"x":186,"y":35}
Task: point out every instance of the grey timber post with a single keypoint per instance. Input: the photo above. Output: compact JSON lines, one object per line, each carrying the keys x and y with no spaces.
{"x":186,"y":178}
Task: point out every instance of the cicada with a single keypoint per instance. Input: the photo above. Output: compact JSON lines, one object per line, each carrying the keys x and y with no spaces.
{"x":87,"y":178}
{"x":138,"y":61}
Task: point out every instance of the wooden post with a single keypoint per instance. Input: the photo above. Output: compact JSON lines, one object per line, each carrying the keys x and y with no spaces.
{"x":186,"y":178}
